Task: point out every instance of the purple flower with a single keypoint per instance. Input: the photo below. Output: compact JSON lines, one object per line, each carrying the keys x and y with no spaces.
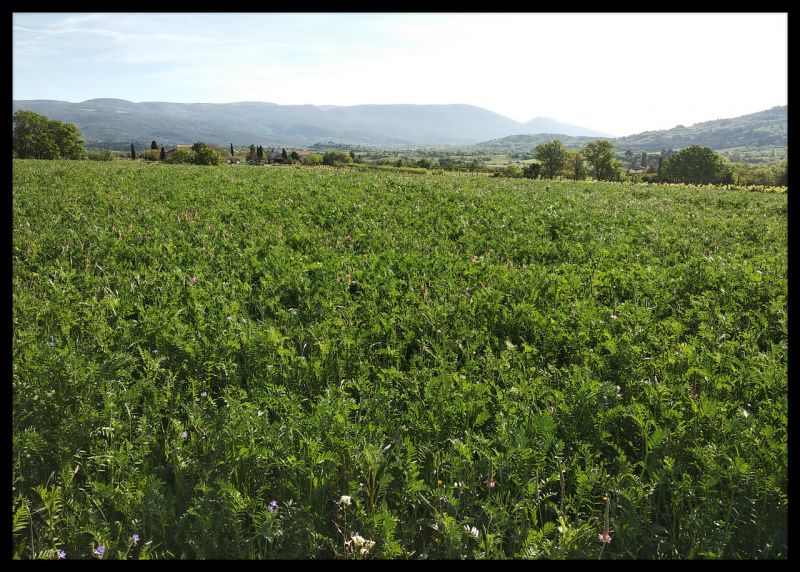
{"x":273,"y":506}
{"x":185,"y":434}
{"x":136,"y":538}
{"x":100,"y":550}
{"x":62,"y":555}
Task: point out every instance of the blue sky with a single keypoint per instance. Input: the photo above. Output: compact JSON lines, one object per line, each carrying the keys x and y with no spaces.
{"x":617,"y":73}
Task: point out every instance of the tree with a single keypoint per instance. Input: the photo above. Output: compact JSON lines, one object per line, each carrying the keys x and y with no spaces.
{"x":251,"y":155}
{"x":532,"y":170}
{"x":181,"y":155}
{"x":163,"y":154}
{"x":154,"y":145}
{"x":574,"y":167}
{"x":231,"y":149}
{"x":313,"y":159}
{"x":294,"y":156}
{"x":133,"y":152}
{"x":260,"y":153}
{"x":284,"y":155}
{"x":630,"y":158}
{"x":552,"y":155}
{"x":336,"y":158}
{"x":37,"y":137}
{"x":206,"y":155}
{"x":600,"y":155}
{"x":697,"y":165}
{"x":644,"y":159}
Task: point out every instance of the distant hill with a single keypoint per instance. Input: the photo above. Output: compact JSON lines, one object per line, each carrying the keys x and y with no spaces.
{"x":117,"y":123}
{"x":756,"y":137}
{"x":762,"y":129}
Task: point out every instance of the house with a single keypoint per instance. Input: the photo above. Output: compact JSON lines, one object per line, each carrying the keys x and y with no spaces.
{"x":234,"y":160}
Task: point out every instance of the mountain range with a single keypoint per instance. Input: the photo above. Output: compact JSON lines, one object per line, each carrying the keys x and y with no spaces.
{"x":116,"y":122}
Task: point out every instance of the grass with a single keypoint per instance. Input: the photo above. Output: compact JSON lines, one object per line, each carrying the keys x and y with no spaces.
{"x":191,"y":344}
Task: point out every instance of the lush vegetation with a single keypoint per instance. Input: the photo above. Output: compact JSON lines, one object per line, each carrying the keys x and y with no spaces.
{"x":35,"y":136}
{"x":308,"y":363}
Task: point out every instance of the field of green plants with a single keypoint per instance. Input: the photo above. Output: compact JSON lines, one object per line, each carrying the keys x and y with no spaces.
{"x":280,"y":362}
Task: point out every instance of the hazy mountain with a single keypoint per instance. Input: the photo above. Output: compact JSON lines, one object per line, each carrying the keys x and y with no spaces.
{"x":547,"y":125}
{"x":755,"y":137}
{"x":116,"y":122}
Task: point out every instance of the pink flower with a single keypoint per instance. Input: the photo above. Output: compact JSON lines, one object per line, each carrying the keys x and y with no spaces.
{"x":474,"y":258}
{"x":193,"y":279}
{"x":605,"y":537}
{"x":490,"y":482}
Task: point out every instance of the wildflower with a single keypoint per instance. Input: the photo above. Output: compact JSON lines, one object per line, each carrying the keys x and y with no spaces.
{"x":605,"y":537}
{"x":185,"y":434}
{"x":62,"y":555}
{"x":746,"y":413}
{"x":51,"y":343}
{"x":471,"y":530}
{"x":229,"y":318}
{"x":474,"y":258}
{"x":613,"y":316}
{"x":490,"y":482}
{"x":204,"y":394}
{"x":193,"y":279}
{"x":155,"y":352}
{"x":358,"y":542}
{"x":99,"y":551}
{"x":136,"y":538}
{"x":439,"y":482}
{"x":273,"y":506}
{"x":345,"y":501}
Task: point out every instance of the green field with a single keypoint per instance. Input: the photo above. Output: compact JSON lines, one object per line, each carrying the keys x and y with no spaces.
{"x":488,"y":368}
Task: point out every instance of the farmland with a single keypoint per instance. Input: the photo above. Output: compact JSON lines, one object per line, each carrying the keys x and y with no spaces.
{"x":317,"y":363}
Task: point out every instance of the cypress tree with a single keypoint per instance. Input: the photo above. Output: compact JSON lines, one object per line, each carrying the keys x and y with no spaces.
{"x":284,"y":155}
{"x":231,"y":149}
{"x":133,"y":152}
{"x":153,"y":145}
{"x":260,"y":153}
{"x":163,"y":154}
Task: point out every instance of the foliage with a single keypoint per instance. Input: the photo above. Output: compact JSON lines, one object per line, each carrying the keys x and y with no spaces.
{"x":151,"y":155}
{"x":99,"y":155}
{"x":133,"y":152}
{"x":181,"y":155}
{"x":330,"y":363}
{"x":772,"y":174}
{"x":696,"y":165}
{"x":574,"y":167}
{"x":552,"y":156}
{"x":313,"y":159}
{"x":154,"y":145}
{"x":335,"y":158}
{"x":600,"y":155}
{"x":35,"y":136}
{"x":205,"y":155}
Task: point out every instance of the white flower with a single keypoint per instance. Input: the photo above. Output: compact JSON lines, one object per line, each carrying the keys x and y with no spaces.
{"x":345,"y":501}
{"x":471,"y":530}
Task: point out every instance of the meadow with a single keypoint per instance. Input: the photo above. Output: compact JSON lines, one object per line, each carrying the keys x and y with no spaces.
{"x":284,"y":362}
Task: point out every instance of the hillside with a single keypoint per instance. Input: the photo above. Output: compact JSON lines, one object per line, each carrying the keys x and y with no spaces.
{"x":116,"y":123}
{"x":756,"y":137}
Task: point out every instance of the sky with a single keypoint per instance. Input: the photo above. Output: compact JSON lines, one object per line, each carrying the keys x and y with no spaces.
{"x":616,"y":73}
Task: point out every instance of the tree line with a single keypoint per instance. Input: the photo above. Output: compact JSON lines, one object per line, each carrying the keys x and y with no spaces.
{"x":692,"y":165}
{"x":38,"y":137}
